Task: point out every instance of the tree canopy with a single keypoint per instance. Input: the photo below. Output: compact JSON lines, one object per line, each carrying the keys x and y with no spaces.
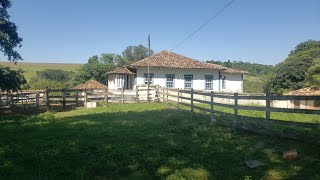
{"x":135,"y":53}
{"x":297,"y":71}
{"x":11,"y":80}
{"x":9,"y":38}
{"x":97,"y":66}
{"x":252,"y":68}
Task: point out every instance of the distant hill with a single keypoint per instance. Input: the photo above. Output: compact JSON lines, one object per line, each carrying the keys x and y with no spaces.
{"x":30,"y":68}
{"x":252,"y":68}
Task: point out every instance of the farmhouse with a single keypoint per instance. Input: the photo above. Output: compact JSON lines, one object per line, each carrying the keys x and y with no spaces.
{"x":171,"y":70}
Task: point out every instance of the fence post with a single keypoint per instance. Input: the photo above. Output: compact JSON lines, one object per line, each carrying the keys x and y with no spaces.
{"x":157,"y":88}
{"x":192,"y":105}
{"x":47,"y":98}
{"x":137,"y":94}
{"x":122,"y":95}
{"x":11,"y":99}
{"x":77,"y":97}
{"x":267,"y":110}
{"x":106,"y":95}
{"x":167,"y":95}
{"x":235,"y":121}
{"x":64,"y":98}
{"x":163,"y":95}
{"x":85,"y":98}
{"x":211,"y":109}
{"x":178,"y":96}
{"x":37,"y":99}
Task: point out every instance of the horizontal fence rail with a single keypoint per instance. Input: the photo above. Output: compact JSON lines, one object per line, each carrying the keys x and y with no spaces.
{"x":232,"y":101}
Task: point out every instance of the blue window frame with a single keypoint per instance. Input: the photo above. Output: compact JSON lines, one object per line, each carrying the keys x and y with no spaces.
{"x":146,"y":78}
{"x":208,"y":82}
{"x":188,"y":79}
{"x":170,"y":80}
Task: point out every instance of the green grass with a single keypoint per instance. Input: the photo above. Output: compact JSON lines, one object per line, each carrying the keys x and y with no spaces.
{"x":140,"y":141}
{"x":255,"y":119}
{"x":30,"y":69}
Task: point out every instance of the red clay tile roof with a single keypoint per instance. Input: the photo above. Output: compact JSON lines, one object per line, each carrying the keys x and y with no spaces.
{"x":169,"y":59}
{"x":235,"y":71}
{"x":91,"y":84}
{"x":121,"y":70}
{"x":304,"y":92}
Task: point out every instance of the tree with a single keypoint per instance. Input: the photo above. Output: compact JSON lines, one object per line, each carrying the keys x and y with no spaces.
{"x":53,"y":78}
{"x":9,"y":38}
{"x":96,"y":68}
{"x":11,"y":80}
{"x":291,"y":73}
{"x":54,"y":75}
{"x":313,"y":75}
{"x":135,"y":53}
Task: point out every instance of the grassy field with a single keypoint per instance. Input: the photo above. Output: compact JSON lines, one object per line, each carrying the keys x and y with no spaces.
{"x":141,"y":141}
{"x":30,"y":69}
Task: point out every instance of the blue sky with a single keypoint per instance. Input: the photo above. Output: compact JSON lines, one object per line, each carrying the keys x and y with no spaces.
{"x":249,"y":30}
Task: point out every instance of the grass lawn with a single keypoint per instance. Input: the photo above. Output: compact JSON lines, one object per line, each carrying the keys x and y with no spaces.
{"x":30,"y":69}
{"x":141,"y":141}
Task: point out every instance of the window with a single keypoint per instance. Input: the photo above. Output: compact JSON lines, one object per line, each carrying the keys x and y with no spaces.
{"x":120,"y":80}
{"x":146,"y":78}
{"x":223,"y":82}
{"x":188,"y":81}
{"x":170,"y":80}
{"x":208,"y":82}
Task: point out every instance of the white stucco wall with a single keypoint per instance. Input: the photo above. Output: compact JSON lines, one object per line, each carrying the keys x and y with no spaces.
{"x":233,"y":81}
{"x":112,"y":84}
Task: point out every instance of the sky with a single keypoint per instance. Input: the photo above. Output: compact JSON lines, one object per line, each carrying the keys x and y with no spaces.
{"x":254,"y":31}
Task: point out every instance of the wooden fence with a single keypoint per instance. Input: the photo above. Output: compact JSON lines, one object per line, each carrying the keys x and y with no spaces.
{"x":191,"y":98}
{"x":75,"y":97}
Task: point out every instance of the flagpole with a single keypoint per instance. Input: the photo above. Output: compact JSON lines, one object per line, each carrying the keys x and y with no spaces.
{"x":148,"y":100}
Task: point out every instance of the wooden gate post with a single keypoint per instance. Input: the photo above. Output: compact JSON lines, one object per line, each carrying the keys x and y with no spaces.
{"x":106,"y":95}
{"x":77,"y":97}
{"x":85,"y":98}
{"x":211,"y":109}
{"x":167,"y":94}
{"x":178,"y":98}
{"x":64,"y":93}
{"x":122,"y":95}
{"x":267,"y":111}
{"x":158,"y":93}
{"x":235,"y":121}
{"x":37,"y":99}
{"x":191,"y":99}
{"x":47,"y":98}
{"x":163,"y":95}
{"x":11,"y":99}
{"x":137,"y":94}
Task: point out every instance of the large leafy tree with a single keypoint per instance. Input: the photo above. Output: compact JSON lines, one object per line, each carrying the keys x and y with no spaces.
{"x":10,"y":80}
{"x":96,"y":67}
{"x":291,"y":74}
{"x":9,"y":38}
{"x":135,"y":53}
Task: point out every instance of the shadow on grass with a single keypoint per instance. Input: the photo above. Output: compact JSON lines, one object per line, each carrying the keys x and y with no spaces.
{"x":136,"y":143}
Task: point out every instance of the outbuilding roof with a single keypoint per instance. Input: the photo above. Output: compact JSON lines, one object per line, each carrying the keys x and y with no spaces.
{"x":169,"y":59}
{"x":91,"y":84}
{"x":120,"y":70}
{"x":304,"y":92}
